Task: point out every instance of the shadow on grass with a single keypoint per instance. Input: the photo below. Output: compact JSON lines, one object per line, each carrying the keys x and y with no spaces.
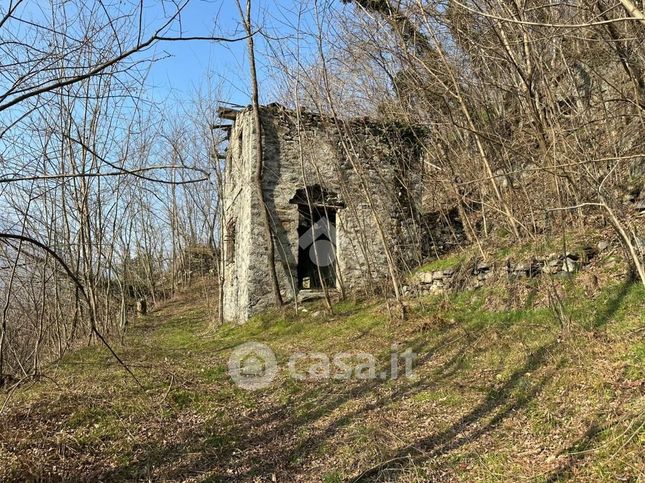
{"x":499,"y":403}
{"x":612,"y":305}
{"x":235,"y":441}
{"x":264,"y":442}
{"x":583,"y":446}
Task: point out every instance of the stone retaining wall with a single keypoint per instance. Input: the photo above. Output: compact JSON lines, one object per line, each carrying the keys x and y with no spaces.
{"x":479,"y":273}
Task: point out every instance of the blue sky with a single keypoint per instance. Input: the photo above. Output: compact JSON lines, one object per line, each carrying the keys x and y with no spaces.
{"x":186,"y":71}
{"x":192,"y":63}
{"x":185,"y":67}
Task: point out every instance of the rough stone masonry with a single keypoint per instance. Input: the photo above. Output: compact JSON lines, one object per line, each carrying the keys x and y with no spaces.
{"x":343,"y":199}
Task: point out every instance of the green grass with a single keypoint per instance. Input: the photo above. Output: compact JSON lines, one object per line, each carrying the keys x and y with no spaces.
{"x":332,"y":477}
{"x":499,"y":391}
{"x":635,"y":361}
{"x":444,"y":263}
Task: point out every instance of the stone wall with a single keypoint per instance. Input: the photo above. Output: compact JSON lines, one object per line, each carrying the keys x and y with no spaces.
{"x":477,"y":274}
{"x":238,"y":199}
{"x":377,"y":183}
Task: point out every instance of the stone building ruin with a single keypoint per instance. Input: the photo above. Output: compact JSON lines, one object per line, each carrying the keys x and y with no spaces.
{"x":342,"y":196}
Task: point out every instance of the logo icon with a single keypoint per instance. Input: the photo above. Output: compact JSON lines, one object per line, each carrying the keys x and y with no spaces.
{"x":252,"y":366}
{"x":318,"y":238}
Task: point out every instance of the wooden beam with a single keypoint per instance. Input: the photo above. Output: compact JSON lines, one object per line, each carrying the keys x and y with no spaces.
{"x":227,"y":113}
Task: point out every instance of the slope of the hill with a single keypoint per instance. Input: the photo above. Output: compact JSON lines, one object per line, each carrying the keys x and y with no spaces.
{"x":504,"y":388}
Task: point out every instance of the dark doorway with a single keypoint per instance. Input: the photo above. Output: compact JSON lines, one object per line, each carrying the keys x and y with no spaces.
{"x":316,"y":247}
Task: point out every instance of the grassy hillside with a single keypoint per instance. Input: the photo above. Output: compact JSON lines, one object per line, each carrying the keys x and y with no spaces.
{"x":502,"y":389}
